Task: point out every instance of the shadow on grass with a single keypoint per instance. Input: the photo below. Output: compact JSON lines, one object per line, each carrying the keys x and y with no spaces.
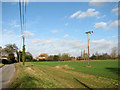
{"x":114,"y":70}
{"x":83,"y":84}
{"x":26,"y":81}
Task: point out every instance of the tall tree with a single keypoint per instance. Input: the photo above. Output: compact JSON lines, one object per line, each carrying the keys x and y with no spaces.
{"x":60,"y":56}
{"x":10,"y":49}
{"x":65,"y":56}
{"x":56,"y":58}
{"x":28,"y":56}
{"x":114,"y":52}
{"x":84,"y":54}
{"x":81,"y":54}
{"x":97,"y":55}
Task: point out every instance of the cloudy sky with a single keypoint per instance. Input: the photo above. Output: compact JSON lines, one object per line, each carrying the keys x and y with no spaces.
{"x":59,"y":27}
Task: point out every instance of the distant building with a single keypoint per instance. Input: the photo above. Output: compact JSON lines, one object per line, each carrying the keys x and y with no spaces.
{"x":42,"y":57}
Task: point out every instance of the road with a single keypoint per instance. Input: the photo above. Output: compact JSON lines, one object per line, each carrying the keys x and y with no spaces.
{"x":6,"y":74}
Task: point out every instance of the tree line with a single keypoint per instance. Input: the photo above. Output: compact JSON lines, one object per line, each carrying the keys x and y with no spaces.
{"x":13,"y":54}
{"x":83,"y":56}
{"x":60,"y":57}
{"x":97,"y":56}
{"x":10,"y":51}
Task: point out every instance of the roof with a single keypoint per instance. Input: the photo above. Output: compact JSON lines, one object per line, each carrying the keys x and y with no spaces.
{"x":41,"y":56}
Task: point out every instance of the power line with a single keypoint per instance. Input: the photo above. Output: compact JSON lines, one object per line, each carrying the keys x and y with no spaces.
{"x":23,"y":12}
{"x":20,"y":17}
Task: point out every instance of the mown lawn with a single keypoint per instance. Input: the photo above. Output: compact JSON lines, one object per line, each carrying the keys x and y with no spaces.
{"x":64,"y":75}
{"x":102,"y":68}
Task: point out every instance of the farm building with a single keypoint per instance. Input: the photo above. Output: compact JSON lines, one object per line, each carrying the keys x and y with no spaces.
{"x":42,"y":57}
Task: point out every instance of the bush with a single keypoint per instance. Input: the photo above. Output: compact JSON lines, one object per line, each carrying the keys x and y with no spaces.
{"x":28,"y":57}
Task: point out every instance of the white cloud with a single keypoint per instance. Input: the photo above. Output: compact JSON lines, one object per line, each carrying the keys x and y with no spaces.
{"x":48,"y":41}
{"x":116,"y":23}
{"x":89,"y":13}
{"x":7,"y":32}
{"x":100,"y":25}
{"x":66,"y":35}
{"x":99,"y":17}
{"x":14,"y":24}
{"x":45,"y":42}
{"x":113,"y":36}
{"x":9,"y":36}
{"x":34,"y":41}
{"x":108,"y":26}
{"x":54,"y":31}
{"x":66,"y":24}
{"x":116,"y":10}
{"x":27,"y":33}
{"x":75,"y":14}
{"x":73,"y":47}
{"x":102,"y":45}
{"x":97,"y":41}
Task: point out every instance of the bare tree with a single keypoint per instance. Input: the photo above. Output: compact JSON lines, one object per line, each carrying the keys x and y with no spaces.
{"x":114,"y":53}
{"x":97,"y":55}
{"x":81,"y":54}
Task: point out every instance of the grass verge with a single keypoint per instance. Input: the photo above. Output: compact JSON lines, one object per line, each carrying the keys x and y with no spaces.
{"x":43,"y":76}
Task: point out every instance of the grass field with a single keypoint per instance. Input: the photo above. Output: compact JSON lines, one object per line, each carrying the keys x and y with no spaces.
{"x":69,"y":74}
{"x":103,"y":68}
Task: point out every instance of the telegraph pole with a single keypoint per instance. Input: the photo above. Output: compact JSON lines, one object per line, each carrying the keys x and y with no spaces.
{"x":23,"y":52}
{"x":88,"y":46}
{"x":22,"y":7}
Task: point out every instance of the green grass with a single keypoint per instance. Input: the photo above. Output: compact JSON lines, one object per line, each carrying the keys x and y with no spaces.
{"x":1,"y":65}
{"x":70,"y":74}
{"x":101,"y":68}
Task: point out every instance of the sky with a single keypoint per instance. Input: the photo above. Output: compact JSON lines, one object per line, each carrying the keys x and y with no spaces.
{"x":59,"y":27}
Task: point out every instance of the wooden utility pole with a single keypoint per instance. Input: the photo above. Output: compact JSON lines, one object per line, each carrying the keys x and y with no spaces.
{"x":88,"y":51}
{"x":23,"y":52}
{"x":88,"y":46}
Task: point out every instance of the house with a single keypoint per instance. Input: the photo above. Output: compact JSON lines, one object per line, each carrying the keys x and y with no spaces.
{"x":42,"y":57}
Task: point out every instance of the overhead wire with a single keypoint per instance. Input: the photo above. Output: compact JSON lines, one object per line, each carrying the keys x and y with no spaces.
{"x":20,"y":24}
{"x":20,"y":16}
{"x":22,"y":8}
{"x":23,"y":12}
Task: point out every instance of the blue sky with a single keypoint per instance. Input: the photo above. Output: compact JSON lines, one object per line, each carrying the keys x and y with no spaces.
{"x":54,"y":28}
